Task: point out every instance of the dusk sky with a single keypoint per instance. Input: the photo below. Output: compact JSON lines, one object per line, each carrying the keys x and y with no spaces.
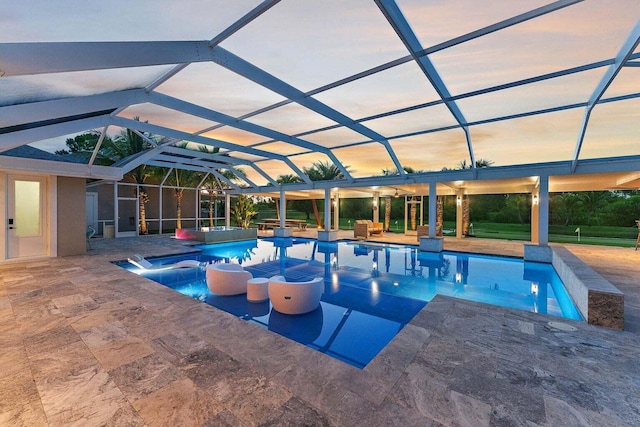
{"x":311,"y":43}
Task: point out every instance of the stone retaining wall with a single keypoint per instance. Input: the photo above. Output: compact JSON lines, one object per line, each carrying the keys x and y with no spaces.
{"x":599,"y":301}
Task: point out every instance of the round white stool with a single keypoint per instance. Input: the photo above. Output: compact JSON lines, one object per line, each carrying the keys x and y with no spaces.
{"x":257,"y":289}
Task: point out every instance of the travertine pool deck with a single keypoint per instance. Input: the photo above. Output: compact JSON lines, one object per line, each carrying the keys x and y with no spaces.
{"x":84,"y":342}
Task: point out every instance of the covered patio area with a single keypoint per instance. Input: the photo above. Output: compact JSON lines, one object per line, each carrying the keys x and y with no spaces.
{"x":86,"y":342}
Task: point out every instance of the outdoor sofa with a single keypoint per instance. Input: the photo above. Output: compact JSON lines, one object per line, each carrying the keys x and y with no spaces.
{"x":365,"y":228}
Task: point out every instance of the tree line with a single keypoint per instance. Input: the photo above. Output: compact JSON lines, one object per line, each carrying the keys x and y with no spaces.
{"x":592,"y":208}
{"x":608,"y":208}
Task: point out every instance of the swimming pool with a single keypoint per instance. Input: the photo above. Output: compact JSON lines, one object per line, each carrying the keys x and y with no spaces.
{"x":371,"y":290}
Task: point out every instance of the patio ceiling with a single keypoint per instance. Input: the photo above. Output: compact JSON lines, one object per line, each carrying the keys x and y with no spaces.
{"x":537,"y":88}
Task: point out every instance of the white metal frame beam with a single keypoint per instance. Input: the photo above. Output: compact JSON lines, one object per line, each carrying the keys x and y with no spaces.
{"x":33,"y":112}
{"x":212,"y":167}
{"x":535,"y":13}
{"x":220,"y":159}
{"x":11,"y":140}
{"x":206,"y":113}
{"x":561,"y":168}
{"x":620,"y":60}
{"x":78,"y":170}
{"x":226,"y":33}
{"x":170,"y":166}
{"x":19,"y":59}
{"x":160,"y":130}
{"x":241,"y":67}
{"x":399,"y":23}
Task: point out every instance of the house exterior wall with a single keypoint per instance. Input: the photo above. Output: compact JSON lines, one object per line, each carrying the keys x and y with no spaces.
{"x":71,"y":216}
{"x":3,"y":216}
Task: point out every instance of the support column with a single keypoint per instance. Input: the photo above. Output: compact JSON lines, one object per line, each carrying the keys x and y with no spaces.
{"x":539,"y":250}
{"x":283,"y":208}
{"x":376,"y":206}
{"x":115,"y":211}
{"x":535,"y":216}
{"x":433,"y":198}
{"x":543,"y":215}
{"x":326,"y":234}
{"x":327,"y":209}
{"x":459,"y":218}
{"x":336,"y":212}
{"x":432,"y":243}
{"x":160,"y":210}
{"x":227,"y":210}
{"x":282,"y":230}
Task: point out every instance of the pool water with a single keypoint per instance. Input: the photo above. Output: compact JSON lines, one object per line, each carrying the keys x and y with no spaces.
{"x":371,"y":290}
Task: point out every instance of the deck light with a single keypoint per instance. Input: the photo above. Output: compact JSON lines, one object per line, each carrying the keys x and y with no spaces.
{"x":535,"y":199}
{"x":396,"y":195}
{"x":459,"y":201}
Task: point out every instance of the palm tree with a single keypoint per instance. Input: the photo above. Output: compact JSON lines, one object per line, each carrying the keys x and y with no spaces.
{"x":322,"y":171}
{"x":285,"y":179}
{"x":592,"y":202}
{"x":387,"y":213}
{"x":122,"y":146}
{"x":566,"y":206}
{"x":480,"y":163}
{"x":182,"y":179}
{"x":466,"y":218}
{"x":413,"y":213}
{"x":126,"y":144}
{"x":214,"y":186}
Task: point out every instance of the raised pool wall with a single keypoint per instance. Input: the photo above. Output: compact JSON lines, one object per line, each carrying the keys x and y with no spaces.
{"x":217,"y":236}
{"x":599,"y":302}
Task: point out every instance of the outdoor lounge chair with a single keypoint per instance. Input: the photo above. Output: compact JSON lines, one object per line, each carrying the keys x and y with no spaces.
{"x":366,"y":227}
{"x":295,"y":297}
{"x":143,"y":264}
{"x":227,"y":279}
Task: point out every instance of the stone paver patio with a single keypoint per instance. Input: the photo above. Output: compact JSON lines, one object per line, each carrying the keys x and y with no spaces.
{"x":84,"y":342}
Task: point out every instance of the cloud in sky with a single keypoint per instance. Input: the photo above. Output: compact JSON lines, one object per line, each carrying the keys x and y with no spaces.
{"x":310,"y":43}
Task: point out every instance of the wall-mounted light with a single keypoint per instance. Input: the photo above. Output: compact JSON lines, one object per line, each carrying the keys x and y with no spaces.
{"x":535,"y":199}
{"x":375,"y":204}
{"x":396,"y":195}
{"x":459,"y":200}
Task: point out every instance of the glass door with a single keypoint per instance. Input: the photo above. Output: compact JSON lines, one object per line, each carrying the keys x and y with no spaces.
{"x":127,"y":211}
{"x":26,"y":217}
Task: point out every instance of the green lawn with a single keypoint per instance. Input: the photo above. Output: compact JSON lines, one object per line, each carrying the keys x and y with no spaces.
{"x":589,"y":235}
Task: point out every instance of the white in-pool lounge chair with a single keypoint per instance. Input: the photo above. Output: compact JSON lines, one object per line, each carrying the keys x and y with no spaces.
{"x":227,"y":279}
{"x":143,"y":264}
{"x":295,"y":297}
